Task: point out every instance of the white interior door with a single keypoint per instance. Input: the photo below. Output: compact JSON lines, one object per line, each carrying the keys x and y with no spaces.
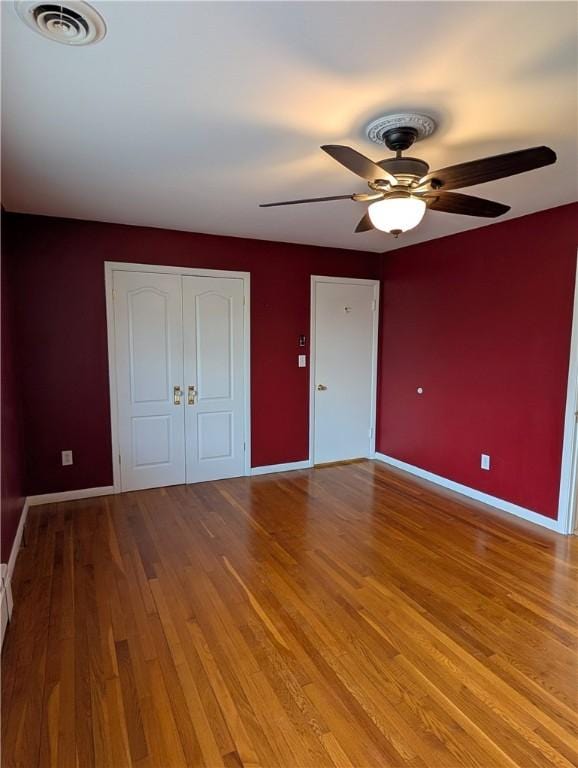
{"x":344,"y":369}
{"x":213,"y":317}
{"x":149,"y":365}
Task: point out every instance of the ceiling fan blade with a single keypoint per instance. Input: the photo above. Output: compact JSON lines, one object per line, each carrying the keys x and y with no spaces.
{"x":308,"y":200}
{"x":467,"y":205}
{"x":490,"y":168}
{"x":364,"y":224}
{"x":358,"y":163}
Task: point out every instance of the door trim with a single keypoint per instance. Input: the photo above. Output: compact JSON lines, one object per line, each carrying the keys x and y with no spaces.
{"x":110,"y":267}
{"x":315,"y":279}
{"x":569,"y":464}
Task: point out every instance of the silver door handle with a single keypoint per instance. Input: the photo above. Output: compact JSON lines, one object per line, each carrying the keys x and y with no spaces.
{"x":321,"y":387}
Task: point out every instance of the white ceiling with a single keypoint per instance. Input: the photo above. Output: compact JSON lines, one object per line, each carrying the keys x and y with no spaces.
{"x":189,"y":114}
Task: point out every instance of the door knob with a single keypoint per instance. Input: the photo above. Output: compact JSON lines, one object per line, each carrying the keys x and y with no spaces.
{"x":192,"y":396}
{"x":321,"y":387}
{"x":177,"y":392}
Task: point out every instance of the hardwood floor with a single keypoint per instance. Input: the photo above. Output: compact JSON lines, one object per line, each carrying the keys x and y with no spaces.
{"x":343,"y":616}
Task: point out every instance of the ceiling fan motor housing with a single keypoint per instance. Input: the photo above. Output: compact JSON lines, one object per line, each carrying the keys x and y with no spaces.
{"x":405,"y":166}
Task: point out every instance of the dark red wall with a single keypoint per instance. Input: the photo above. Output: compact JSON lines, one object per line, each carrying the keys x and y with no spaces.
{"x":61,"y":335}
{"x":481,"y":321}
{"x":12,"y":458}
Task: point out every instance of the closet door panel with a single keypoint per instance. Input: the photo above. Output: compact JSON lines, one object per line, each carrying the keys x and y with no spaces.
{"x":149,"y":366}
{"x":213,"y":319}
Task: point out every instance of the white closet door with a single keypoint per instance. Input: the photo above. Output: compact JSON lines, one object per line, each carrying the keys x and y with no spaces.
{"x":344,"y":363}
{"x":149,"y":366}
{"x":213,"y":320}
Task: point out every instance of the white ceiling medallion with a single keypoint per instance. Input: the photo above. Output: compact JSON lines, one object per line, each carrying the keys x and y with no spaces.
{"x":70,"y":23}
{"x":423,"y":124}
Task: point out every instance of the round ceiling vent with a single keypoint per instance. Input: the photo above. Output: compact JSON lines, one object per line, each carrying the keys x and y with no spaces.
{"x":71,"y":23}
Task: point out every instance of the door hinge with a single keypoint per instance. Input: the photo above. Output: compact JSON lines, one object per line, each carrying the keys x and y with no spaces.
{"x":119,"y":459}
{"x":371,"y":432}
{"x":374,"y":305}
{"x":244,"y":446}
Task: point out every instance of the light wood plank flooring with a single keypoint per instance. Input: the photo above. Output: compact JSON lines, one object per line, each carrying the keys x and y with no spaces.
{"x":342,"y":616}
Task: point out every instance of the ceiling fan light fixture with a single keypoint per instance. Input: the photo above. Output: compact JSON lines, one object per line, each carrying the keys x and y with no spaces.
{"x":397,"y":214}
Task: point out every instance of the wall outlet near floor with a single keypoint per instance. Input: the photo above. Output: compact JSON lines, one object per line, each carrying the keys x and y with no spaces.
{"x":485,"y":461}
{"x":66,"y":458}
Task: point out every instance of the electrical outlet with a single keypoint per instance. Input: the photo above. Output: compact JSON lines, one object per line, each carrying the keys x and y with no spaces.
{"x":485,"y":461}
{"x":302,"y":361}
{"x":66,"y":458}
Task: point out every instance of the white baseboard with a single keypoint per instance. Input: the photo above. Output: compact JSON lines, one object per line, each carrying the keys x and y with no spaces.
{"x":6,"y":572}
{"x":281,"y":467}
{"x":472,"y":493}
{"x":4,"y":618}
{"x":82,"y":493}
{"x":16,"y":546}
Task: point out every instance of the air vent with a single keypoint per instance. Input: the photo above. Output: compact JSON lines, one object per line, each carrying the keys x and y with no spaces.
{"x":72,"y":23}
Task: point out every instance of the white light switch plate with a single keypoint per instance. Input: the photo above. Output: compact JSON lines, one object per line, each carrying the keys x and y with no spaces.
{"x":485,"y":461}
{"x":66,"y":458}
{"x":302,"y":361}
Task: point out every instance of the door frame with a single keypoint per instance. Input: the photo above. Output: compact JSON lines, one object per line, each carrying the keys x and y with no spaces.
{"x":315,"y":280}
{"x":110,"y":267}
{"x":569,"y":468}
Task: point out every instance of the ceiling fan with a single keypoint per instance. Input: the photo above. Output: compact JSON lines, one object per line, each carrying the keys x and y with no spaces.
{"x":402,"y":188}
